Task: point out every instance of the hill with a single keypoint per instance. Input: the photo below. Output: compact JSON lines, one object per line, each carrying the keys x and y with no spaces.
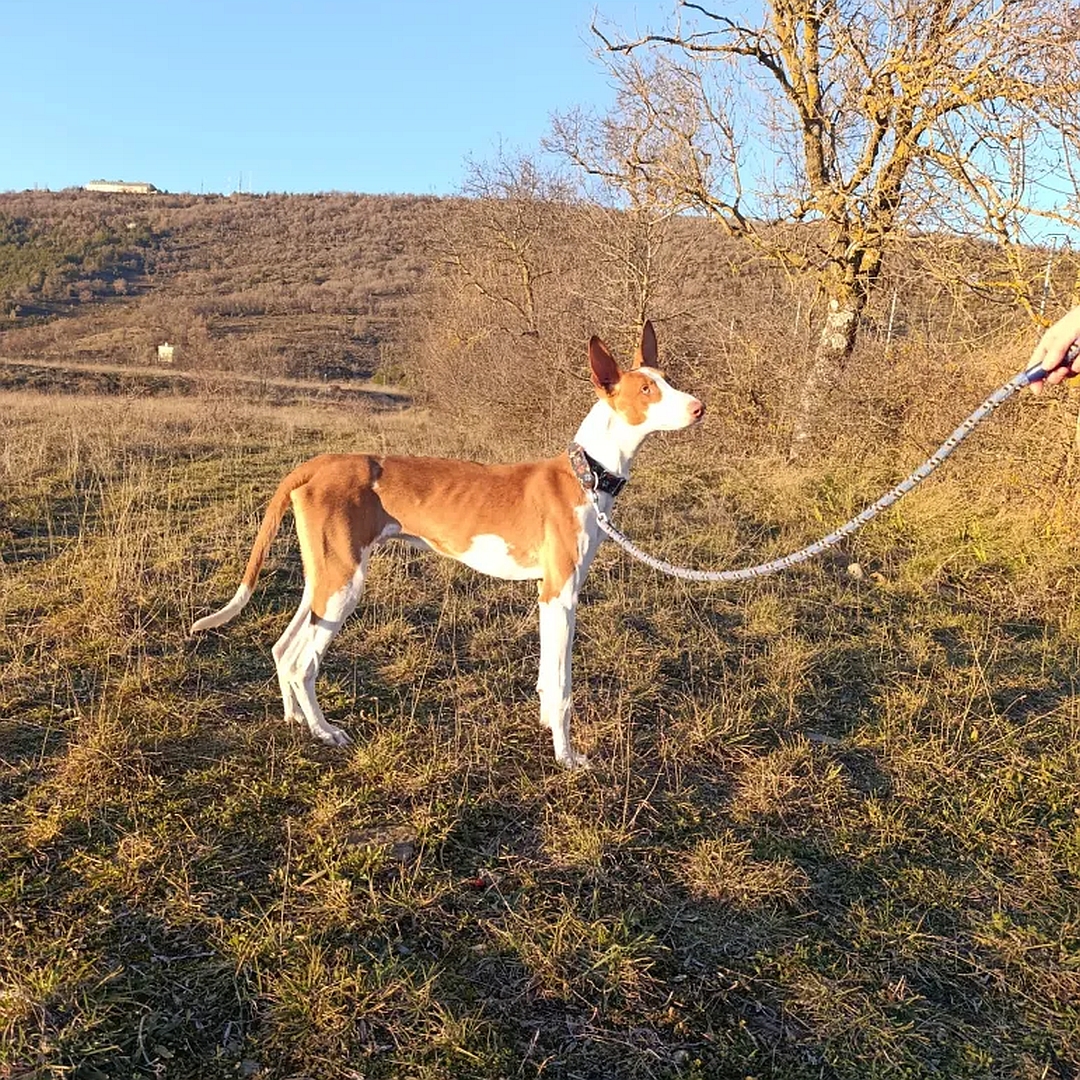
{"x":286,"y":285}
{"x":459,"y":298}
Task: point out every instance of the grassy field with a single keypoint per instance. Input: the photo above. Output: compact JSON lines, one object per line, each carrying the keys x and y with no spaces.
{"x":832,"y":827}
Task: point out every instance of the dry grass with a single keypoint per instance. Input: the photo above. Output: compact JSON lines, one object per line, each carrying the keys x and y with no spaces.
{"x":833,"y":827}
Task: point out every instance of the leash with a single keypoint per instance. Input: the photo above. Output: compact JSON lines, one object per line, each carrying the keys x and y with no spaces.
{"x":991,"y":404}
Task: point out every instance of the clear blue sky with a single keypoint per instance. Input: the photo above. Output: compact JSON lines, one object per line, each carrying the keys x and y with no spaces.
{"x":295,"y":95}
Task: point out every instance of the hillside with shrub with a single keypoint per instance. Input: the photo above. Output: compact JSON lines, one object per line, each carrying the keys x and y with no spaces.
{"x":482,"y":306}
{"x":281,"y":285}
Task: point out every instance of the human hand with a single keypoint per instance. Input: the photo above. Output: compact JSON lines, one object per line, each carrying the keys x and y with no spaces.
{"x":1051,"y":350}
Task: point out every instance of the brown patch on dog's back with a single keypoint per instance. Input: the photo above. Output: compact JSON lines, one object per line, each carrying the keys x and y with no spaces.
{"x":531,"y":506}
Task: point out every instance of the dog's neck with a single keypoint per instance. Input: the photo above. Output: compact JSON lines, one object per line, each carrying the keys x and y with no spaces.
{"x":607,"y":438}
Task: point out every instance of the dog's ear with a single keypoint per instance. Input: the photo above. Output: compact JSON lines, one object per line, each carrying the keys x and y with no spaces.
{"x":605,"y":371}
{"x":646,"y":355}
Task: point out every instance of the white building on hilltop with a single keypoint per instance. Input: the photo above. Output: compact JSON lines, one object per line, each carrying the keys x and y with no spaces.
{"x":122,"y":187}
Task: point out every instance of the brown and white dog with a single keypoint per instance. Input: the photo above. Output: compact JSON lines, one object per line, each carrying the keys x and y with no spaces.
{"x":527,"y":521}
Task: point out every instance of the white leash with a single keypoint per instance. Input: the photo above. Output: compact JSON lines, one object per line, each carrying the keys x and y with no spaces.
{"x":997,"y":398}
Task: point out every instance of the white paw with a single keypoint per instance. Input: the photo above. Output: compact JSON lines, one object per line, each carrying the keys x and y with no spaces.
{"x":573,"y":760}
{"x":332,"y":736}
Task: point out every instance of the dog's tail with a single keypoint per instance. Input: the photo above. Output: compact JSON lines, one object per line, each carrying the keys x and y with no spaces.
{"x":271,"y":522}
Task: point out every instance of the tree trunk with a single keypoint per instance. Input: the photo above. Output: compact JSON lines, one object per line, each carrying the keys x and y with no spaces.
{"x":834,"y":347}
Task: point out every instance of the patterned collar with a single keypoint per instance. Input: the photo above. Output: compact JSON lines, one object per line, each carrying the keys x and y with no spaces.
{"x":591,"y":474}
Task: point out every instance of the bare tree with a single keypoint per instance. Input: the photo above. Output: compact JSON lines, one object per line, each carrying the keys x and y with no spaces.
{"x":639,"y":261}
{"x":504,"y":299}
{"x":857,"y":123}
{"x":502,"y":244}
{"x":528,"y":269}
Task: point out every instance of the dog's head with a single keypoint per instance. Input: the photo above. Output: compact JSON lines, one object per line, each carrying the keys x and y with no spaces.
{"x":642,"y":395}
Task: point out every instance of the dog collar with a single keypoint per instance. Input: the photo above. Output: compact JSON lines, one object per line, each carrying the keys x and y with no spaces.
{"x":591,"y":474}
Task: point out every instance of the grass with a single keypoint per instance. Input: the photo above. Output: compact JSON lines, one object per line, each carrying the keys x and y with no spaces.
{"x":832,"y":828}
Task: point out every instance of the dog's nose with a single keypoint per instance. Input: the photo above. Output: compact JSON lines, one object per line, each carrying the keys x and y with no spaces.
{"x":697,"y":409}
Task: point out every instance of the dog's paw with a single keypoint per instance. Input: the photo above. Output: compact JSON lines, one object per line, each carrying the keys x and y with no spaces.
{"x":332,"y":736}
{"x":573,"y":760}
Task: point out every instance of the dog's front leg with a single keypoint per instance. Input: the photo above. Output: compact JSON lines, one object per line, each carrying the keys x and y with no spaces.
{"x":554,"y":685}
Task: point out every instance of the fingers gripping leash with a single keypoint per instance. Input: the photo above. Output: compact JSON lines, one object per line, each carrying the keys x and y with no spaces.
{"x":990,"y":405}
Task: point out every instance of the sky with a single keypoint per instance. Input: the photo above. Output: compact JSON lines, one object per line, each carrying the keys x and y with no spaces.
{"x":289,"y":95}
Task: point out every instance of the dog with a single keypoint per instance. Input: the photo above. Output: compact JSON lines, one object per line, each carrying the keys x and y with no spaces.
{"x":532,"y":521}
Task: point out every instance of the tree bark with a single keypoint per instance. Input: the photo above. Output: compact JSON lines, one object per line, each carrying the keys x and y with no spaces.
{"x":834,"y":347}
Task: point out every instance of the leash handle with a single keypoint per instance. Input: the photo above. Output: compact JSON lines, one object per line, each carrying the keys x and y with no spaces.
{"x":1038,"y":372}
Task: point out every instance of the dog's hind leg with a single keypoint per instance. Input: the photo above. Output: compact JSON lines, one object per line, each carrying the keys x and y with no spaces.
{"x":291,"y":702}
{"x":338,"y":520}
{"x":304,"y":653}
